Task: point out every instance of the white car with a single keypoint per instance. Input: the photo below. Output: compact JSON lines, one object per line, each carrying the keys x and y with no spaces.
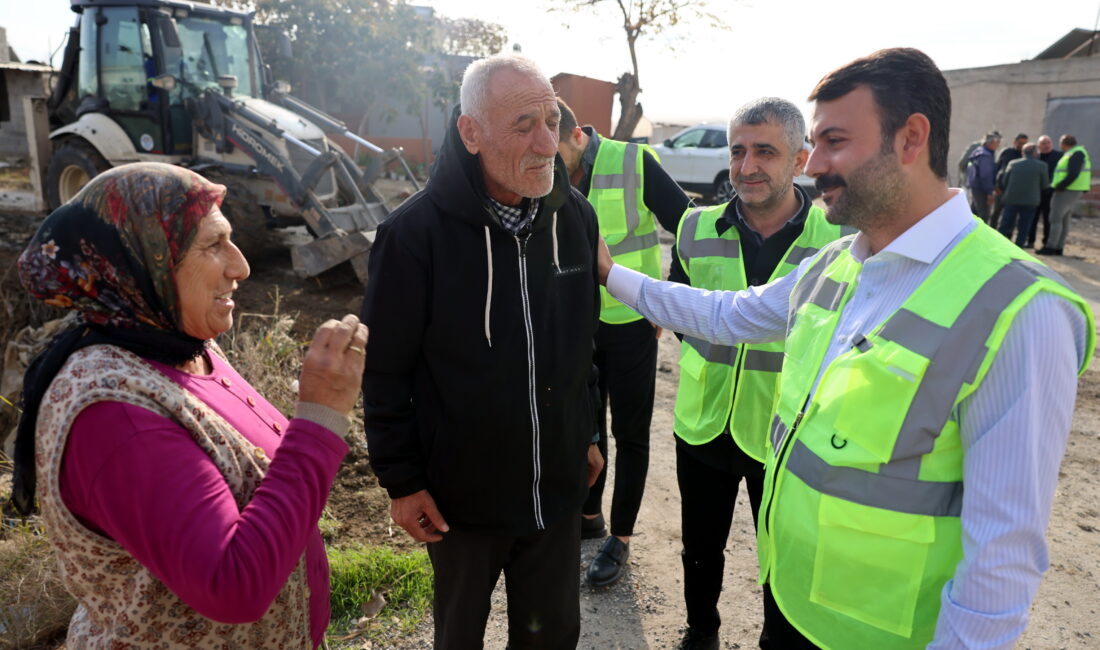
{"x":698,"y":158}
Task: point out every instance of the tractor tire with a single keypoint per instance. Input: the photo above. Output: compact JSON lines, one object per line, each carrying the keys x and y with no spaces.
{"x":70,"y":168}
{"x":250,"y":230}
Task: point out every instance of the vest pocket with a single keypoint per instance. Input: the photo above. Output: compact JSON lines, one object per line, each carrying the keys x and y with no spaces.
{"x":690,"y":392}
{"x":851,"y":393}
{"x":870,"y":562}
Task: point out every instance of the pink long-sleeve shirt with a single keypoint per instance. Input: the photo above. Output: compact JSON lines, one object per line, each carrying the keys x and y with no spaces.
{"x":139,"y":479}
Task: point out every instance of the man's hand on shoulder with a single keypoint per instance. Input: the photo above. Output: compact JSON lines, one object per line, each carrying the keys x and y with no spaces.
{"x":419,"y":517}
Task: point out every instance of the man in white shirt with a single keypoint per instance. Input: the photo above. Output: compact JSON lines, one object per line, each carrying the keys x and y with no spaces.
{"x":880,"y":133}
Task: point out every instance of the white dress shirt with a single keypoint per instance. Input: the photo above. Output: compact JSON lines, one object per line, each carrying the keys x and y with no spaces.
{"x":1013,"y":427}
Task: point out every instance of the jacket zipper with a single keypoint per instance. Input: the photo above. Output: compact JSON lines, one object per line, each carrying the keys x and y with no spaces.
{"x":521,"y":244}
{"x":784,"y":448}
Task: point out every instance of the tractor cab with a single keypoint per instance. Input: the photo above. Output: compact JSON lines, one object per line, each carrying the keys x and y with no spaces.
{"x":138,"y":62}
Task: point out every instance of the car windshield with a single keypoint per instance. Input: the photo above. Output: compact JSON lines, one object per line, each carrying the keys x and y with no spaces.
{"x":212,"y":48}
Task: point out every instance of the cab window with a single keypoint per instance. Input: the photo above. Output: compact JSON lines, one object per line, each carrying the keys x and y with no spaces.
{"x":690,"y":139}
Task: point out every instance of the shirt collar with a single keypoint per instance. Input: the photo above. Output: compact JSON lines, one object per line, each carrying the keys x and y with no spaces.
{"x":588,"y":158}
{"x":799,"y":215}
{"x":926,"y":239}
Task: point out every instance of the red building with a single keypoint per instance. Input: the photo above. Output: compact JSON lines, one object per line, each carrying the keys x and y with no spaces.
{"x":591,"y":99}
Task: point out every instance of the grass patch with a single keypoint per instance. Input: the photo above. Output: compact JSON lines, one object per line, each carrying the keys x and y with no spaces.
{"x":357,"y":573}
{"x":34,"y":606}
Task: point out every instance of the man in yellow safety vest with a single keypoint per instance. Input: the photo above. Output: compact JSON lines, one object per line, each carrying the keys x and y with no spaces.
{"x":631,"y":193}
{"x":725,"y":396}
{"x":917,"y":432}
{"x":1072,"y":177}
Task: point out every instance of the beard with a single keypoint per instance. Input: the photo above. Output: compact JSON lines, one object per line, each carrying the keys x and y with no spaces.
{"x":873,"y":193}
{"x":773,"y":194}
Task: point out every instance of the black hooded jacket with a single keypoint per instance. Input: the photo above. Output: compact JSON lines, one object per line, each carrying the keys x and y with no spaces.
{"x":480,"y":351}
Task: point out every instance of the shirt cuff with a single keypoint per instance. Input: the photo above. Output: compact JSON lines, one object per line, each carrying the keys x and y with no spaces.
{"x":324,"y":416}
{"x":625,"y":285}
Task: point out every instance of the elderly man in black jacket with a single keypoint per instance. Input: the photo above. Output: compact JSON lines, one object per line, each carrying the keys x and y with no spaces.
{"x":482,"y":305}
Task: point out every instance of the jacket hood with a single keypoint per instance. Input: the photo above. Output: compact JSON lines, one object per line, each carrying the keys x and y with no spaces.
{"x":456,"y":185}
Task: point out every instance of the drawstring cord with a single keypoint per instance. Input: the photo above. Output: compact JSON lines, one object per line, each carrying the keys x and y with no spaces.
{"x":489,"y":287}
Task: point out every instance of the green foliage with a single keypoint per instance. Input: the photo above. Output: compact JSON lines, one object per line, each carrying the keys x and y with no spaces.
{"x":358,"y":573}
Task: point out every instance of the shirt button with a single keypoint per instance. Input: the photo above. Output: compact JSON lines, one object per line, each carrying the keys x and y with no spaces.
{"x":226,"y":382}
{"x":251,"y":401}
{"x":259,"y":453}
{"x":278,"y":427}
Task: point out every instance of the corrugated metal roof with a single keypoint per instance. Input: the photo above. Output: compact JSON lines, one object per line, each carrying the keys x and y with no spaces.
{"x":1069,"y":45}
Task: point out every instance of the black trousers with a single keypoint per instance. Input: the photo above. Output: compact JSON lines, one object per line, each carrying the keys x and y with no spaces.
{"x":708,"y":476}
{"x":779,"y":634}
{"x":1044,"y":214}
{"x":979,"y":204}
{"x":627,"y":358}
{"x":541,"y":580}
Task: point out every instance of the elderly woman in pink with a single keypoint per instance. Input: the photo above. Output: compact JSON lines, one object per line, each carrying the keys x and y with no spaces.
{"x":182,"y":506}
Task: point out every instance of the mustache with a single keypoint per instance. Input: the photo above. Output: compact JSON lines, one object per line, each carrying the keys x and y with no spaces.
{"x":536,"y":161}
{"x":741,"y":178}
{"x":829,"y":181}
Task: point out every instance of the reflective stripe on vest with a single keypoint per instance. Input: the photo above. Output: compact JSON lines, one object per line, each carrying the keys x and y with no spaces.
{"x":1061,"y":169}
{"x":626,"y":224}
{"x":860,"y":523}
{"x":731,"y":385}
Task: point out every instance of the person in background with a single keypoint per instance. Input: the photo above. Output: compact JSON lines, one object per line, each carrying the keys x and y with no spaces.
{"x":182,"y":506}
{"x":981,"y":176}
{"x":1072,"y":178}
{"x":1007,"y":155}
{"x":479,"y":396}
{"x":1049,"y":155}
{"x":725,"y":395}
{"x":1022,"y":186}
{"x":914,"y":452}
{"x":964,"y":159}
{"x":631,"y":194}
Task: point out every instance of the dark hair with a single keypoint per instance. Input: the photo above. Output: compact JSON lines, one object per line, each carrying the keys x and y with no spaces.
{"x":903,"y":81}
{"x":1021,"y":136}
{"x":568,"y":120}
{"x":1069,"y":140}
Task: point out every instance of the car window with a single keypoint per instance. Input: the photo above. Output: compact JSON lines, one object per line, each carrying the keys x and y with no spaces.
{"x":714,"y":140}
{"x":690,"y":139}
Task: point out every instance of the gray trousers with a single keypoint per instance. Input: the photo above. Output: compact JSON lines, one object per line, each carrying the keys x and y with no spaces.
{"x":1061,"y":209}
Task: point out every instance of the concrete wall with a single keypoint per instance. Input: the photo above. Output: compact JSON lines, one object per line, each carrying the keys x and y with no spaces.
{"x":13,"y":133}
{"x":1013,"y":99}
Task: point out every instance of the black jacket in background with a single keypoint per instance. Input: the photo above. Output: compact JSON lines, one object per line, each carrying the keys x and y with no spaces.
{"x":495,"y":422}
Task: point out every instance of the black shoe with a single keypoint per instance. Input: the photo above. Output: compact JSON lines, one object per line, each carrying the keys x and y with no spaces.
{"x":608,"y":564}
{"x":695,"y":640}
{"x":1045,"y":251}
{"x":593,"y":528}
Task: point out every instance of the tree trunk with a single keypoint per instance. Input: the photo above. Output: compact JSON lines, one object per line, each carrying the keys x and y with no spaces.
{"x":630,"y":110}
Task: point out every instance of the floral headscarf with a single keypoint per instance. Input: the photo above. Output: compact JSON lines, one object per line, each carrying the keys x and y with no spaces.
{"x":111,"y":254}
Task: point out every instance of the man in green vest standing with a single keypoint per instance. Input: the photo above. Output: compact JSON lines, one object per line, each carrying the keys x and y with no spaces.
{"x":725,"y":396}
{"x":914,"y":451}
{"x":631,"y":193}
{"x":1072,"y":178}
